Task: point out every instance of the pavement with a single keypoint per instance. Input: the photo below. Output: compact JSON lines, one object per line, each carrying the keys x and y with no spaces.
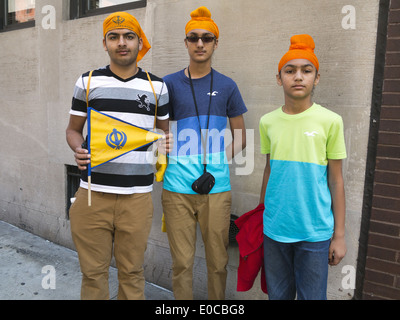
{"x":32,"y":268}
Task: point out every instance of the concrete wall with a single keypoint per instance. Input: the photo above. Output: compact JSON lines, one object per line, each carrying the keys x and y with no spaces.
{"x":39,"y":68}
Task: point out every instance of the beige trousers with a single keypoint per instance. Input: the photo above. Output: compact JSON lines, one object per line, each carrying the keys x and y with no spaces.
{"x":212,"y":212}
{"x":120,"y":220}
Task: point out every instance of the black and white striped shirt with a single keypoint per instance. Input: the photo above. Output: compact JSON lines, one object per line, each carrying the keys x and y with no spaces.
{"x":131,"y":100}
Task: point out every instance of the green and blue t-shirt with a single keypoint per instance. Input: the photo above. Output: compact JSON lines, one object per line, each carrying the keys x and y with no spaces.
{"x":185,"y":161}
{"x":298,"y":200}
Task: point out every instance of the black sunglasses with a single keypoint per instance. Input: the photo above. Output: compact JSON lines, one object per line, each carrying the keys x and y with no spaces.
{"x":204,"y":39}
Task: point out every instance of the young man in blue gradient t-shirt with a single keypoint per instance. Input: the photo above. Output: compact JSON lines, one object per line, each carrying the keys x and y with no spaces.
{"x":217,"y":98}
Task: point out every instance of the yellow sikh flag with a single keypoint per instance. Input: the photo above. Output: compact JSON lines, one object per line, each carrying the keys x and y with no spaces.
{"x":110,"y":138}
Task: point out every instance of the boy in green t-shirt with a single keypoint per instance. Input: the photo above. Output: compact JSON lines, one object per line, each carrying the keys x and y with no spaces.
{"x":303,"y":189}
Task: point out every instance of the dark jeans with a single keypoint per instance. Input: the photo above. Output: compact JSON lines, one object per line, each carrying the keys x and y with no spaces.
{"x":300,"y":267}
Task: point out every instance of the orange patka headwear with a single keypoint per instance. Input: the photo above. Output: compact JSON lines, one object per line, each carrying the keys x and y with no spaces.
{"x":201,"y":19}
{"x":124,"y":20}
{"x":301,"y":47}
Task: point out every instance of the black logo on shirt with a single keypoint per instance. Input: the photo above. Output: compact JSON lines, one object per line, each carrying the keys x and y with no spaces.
{"x":143,"y":101}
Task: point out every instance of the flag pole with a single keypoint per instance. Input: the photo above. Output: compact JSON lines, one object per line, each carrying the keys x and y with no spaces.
{"x":89,"y":191}
{"x":88,"y":119}
{"x":89,"y":178}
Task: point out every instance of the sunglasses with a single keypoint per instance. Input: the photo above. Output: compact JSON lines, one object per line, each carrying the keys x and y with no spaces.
{"x":204,"y":39}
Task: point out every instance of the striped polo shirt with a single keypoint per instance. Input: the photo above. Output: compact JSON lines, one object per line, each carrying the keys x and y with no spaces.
{"x":297,"y":199}
{"x":131,"y":100}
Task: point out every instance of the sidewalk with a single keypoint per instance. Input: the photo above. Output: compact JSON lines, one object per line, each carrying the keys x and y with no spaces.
{"x":30,"y":267}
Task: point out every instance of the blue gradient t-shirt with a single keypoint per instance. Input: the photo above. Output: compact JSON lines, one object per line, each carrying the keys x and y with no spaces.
{"x":185,"y":161}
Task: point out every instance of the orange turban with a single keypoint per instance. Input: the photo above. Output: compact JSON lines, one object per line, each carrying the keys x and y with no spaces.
{"x":123,"y":20}
{"x":302,"y":47}
{"x":201,"y":19}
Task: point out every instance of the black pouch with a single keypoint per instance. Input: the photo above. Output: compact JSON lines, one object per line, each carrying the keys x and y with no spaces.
{"x":204,"y":184}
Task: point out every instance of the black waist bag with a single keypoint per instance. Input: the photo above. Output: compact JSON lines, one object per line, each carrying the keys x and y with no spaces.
{"x":204,"y":184}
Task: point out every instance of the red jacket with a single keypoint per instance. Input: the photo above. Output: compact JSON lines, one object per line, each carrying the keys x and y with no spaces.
{"x":250,"y":239}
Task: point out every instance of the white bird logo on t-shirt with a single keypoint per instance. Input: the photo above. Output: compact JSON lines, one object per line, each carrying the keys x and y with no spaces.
{"x":311,"y":134}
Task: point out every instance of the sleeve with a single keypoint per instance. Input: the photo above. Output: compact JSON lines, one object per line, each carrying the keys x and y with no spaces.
{"x":335,"y":146}
{"x":265,"y":142}
{"x":236,"y":106}
{"x":79,"y":107}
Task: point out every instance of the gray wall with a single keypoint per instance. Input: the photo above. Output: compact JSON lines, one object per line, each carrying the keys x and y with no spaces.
{"x":39,"y":68}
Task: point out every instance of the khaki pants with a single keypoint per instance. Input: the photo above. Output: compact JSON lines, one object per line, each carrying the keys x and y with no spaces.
{"x":212,"y":212}
{"x":124,"y":220}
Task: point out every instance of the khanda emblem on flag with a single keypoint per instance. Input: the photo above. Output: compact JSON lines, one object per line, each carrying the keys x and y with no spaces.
{"x":116,"y":139}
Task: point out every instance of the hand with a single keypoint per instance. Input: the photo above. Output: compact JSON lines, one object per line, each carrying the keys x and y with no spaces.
{"x":82,"y":158}
{"x":166,"y":144}
{"x":337,"y":250}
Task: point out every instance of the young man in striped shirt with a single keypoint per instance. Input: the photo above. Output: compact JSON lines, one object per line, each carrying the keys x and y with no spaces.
{"x":122,"y":209}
